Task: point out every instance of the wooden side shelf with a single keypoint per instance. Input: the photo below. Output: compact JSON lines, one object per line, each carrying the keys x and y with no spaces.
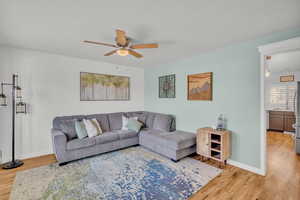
{"x":214,"y":144}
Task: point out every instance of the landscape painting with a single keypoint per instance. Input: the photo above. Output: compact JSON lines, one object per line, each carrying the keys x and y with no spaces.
{"x":103,"y":87}
{"x":167,"y":86}
{"x":200,"y":86}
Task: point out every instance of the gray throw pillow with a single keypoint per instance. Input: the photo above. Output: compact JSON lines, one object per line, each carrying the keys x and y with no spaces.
{"x":68,"y":128}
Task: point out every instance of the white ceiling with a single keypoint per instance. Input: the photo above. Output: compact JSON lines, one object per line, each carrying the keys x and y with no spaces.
{"x":182,"y":28}
{"x":285,"y":62}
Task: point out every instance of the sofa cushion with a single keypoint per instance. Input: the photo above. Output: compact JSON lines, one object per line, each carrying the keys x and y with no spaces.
{"x":58,"y":120}
{"x":151,"y":132}
{"x":68,"y":128}
{"x":173,"y":140}
{"x":149,"y":120}
{"x":107,"y":137}
{"x":115,"y":121}
{"x":162,"y":122}
{"x":102,"y":120}
{"x":80,"y":143}
{"x":124,"y":134}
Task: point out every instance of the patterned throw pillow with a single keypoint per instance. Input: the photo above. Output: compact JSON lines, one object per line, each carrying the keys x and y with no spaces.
{"x":92,"y":127}
{"x":125,"y":121}
{"x":134,"y":125}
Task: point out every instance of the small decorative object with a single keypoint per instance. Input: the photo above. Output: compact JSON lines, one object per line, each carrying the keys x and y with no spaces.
{"x":103,"y":87}
{"x":288,"y":78}
{"x":200,"y":86}
{"x":16,"y":108}
{"x":18,"y":92}
{"x":167,"y":86}
{"x":221,"y":122}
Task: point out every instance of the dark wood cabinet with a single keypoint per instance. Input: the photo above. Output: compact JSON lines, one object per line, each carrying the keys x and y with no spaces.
{"x":289,"y":120}
{"x":281,"y":120}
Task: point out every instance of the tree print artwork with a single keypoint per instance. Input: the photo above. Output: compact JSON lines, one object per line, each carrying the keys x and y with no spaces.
{"x":103,"y":87}
{"x":167,"y":86}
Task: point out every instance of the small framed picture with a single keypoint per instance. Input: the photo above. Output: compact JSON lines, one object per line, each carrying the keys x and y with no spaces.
{"x":287,"y":78}
{"x":167,"y":86}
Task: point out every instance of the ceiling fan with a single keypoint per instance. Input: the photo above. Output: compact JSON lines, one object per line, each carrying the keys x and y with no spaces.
{"x":122,"y":45}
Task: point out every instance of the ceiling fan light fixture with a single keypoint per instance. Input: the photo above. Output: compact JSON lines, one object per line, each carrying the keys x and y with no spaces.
{"x":122,"y":52}
{"x":122,"y":47}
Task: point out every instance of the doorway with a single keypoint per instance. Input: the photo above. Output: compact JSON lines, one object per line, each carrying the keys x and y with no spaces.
{"x":281,"y":120}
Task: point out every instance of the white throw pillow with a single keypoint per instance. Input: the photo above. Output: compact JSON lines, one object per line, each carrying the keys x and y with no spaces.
{"x":125,"y":121}
{"x":92,"y":127}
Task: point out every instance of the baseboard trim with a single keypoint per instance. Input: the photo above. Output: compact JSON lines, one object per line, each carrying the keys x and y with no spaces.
{"x":247,"y":167}
{"x":35,"y":154}
{"x":26,"y":156}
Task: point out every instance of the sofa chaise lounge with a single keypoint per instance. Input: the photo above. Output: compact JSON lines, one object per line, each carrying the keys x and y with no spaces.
{"x":158,"y":134}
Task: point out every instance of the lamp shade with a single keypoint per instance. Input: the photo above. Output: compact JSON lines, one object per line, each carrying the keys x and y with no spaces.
{"x":21,"y":107}
{"x":3,"y":100}
{"x":18,"y":92}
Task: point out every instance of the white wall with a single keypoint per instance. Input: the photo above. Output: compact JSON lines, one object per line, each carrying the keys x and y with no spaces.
{"x":51,"y":87}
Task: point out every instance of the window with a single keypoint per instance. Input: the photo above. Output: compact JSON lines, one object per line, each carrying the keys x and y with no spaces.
{"x":283,"y":97}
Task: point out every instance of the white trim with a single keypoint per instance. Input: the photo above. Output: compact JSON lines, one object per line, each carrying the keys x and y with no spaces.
{"x":282,"y":46}
{"x":35,"y":154}
{"x":246,"y":167}
{"x":263,"y":135}
{"x":269,"y":49}
{"x":26,"y":156}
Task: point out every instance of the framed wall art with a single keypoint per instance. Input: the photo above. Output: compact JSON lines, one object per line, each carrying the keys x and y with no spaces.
{"x":287,"y":78}
{"x":199,"y":86}
{"x":167,"y":86}
{"x":104,"y":87}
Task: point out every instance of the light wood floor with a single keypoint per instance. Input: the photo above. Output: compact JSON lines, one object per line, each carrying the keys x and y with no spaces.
{"x":282,"y":181}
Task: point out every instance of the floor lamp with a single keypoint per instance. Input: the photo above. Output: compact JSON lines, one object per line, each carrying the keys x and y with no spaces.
{"x":18,"y":106}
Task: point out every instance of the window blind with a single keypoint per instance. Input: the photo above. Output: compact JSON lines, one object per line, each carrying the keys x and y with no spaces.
{"x":283,"y":97}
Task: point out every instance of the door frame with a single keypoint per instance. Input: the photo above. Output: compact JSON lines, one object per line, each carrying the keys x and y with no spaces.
{"x":264,"y":50}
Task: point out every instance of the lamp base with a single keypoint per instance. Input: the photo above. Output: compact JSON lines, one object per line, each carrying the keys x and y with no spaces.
{"x":12,"y":164}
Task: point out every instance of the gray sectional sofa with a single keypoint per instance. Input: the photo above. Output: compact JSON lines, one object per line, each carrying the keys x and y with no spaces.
{"x":158,"y":134}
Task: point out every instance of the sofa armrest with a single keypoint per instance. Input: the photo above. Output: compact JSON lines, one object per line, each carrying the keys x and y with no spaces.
{"x":59,"y":141}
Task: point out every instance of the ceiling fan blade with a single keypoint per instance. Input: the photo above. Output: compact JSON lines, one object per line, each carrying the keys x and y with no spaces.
{"x":110,"y":53}
{"x":134,"y":53}
{"x":144,"y":46}
{"x":100,"y":43}
{"x":121,"y":37}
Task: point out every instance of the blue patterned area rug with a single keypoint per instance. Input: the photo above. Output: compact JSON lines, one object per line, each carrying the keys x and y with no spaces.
{"x":133,"y":173}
